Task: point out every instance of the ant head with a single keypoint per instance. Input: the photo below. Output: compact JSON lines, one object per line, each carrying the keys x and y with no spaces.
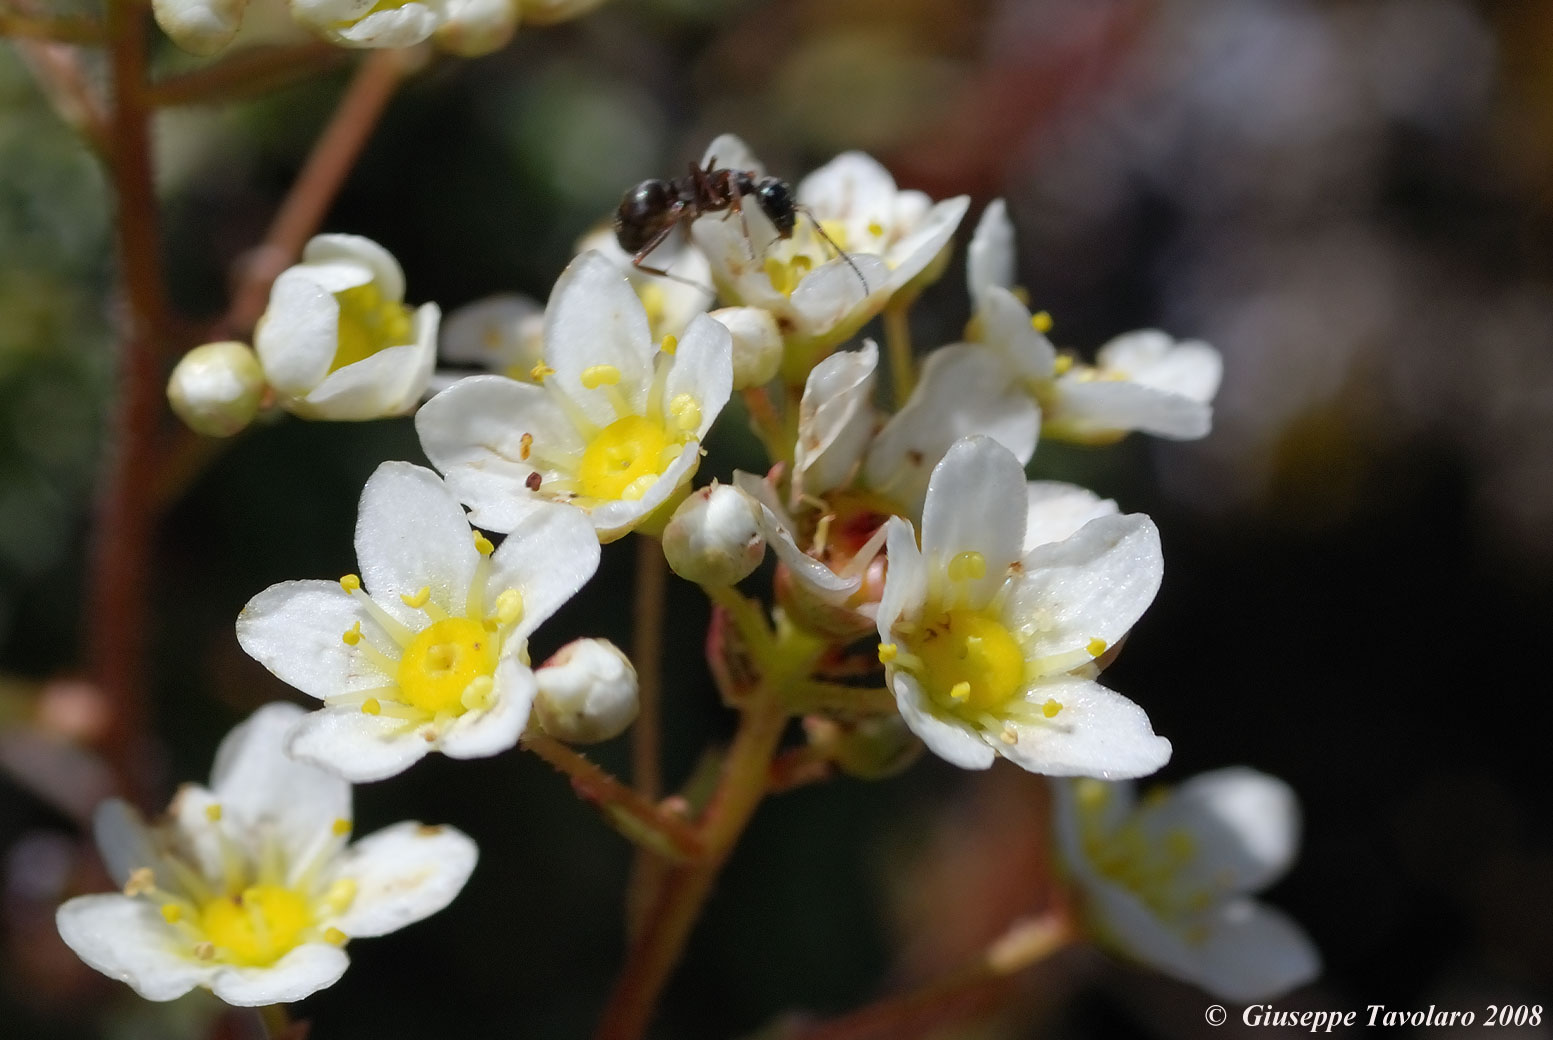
{"x":642,"y":214}
{"x":776,"y":202}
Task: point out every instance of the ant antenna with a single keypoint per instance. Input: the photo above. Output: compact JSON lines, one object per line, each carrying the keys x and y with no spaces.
{"x":806,"y":211}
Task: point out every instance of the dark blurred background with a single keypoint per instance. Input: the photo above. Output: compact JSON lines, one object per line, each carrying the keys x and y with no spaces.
{"x":1352,"y":200}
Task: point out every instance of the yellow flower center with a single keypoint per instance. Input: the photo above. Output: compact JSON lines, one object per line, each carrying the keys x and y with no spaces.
{"x":970,"y":662}
{"x":368,"y":323}
{"x":257,"y":926}
{"x":626,"y":457}
{"x":442,"y":661}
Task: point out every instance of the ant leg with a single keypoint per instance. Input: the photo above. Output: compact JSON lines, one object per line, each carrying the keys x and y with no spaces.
{"x":638,"y":262}
{"x":832,"y":243}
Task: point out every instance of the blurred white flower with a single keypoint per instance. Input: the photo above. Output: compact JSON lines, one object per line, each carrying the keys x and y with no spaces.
{"x":250,"y":888}
{"x":368,"y":23}
{"x":337,"y":340}
{"x":991,"y":650}
{"x":428,"y":648}
{"x":503,"y":334}
{"x":615,"y":428}
{"x":199,"y":26}
{"x":1167,"y":880}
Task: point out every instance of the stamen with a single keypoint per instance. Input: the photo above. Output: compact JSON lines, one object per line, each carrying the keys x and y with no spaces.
{"x":888,"y":652}
{"x":213,"y":812}
{"x":662,"y":363}
{"x":525,"y":447}
{"x":1063,"y":364}
{"x":1041,"y":322}
{"x":876,"y":229}
{"x":351,"y":583}
{"x":1051,"y":708}
{"x":509,"y":607}
{"x":371,"y":706}
{"x":340,"y":895}
{"x":669,"y":345}
{"x":595,"y":376}
{"x":960,"y":691}
{"x":477,"y":695}
{"x":205,"y":951}
{"x":967,"y":566}
{"x":395,"y":631}
{"x":352,"y":635}
{"x":1009,"y":735}
{"x":334,"y":936}
{"x":865,"y":556}
{"x":482,"y":543}
{"x":172,"y":913}
{"x":357,"y":698}
{"x":574,"y":414}
{"x":540,"y":372}
{"x":340,"y":827}
{"x":686,"y":412}
{"x":418,"y":600}
{"x":141,"y":880}
{"x":1096,"y":647}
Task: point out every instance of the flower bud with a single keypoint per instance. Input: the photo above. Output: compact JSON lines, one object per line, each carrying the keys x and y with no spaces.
{"x":870,"y":748}
{"x":714,"y":536}
{"x":587,"y":692}
{"x":475,"y":27}
{"x":199,"y":26}
{"x":216,"y":388}
{"x":757,"y":344}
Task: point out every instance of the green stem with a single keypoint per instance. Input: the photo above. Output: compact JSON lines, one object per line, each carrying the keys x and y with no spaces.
{"x":897,"y":338}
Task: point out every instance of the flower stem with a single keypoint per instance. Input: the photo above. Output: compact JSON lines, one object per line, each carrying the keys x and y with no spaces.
{"x":120,"y":576}
{"x":305,"y":206}
{"x":646,"y":747}
{"x":53,"y":28}
{"x":897,"y":337}
{"x":277,"y":1024}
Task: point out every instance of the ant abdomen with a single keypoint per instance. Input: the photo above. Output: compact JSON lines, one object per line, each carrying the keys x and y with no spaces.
{"x":643,"y":212}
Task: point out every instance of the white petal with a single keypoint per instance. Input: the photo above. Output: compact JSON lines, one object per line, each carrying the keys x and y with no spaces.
{"x":1057,"y":510}
{"x":478,"y":734}
{"x":298,"y":335}
{"x":1152,"y":358}
{"x":386,"y":383}
{"x":905,"y":580}
{"x":835,"y":419}
{"x":403,"y":874}
{"x":200,"y":26}
{"x":1104,"y":407}
{"x":1096,"y":733}
{"x":975,"y":503}
{"x":1093,"y":585}
{"x":989,"y":259}
{"x":473,"y":432}
{"x":839,"y":294}
{"x":124,"y":842}
{"x":355,"y":745}
{"x":294,"y":629}
{"x":703,"y":369}
{"x":595,"y":318}
{"x":1244,"y":827}
{"x":550,"y":555}
{"x":260,"y":787}
{"x":386,"y":271}
{"x":947,"y":737}
{"x":729,"y":152}
{"x":964,"y":390}
{"x":1254,"y":952}
{"x":908,"y":257}
{"x":498,"y":333}
{"x":777,"y":529}
{"x":128,"y":940}
{"x":305,"y":970}
{"x":852,"y":187}
{"x":397,"y":27}
{"x":411,"y":534}
{"x":1006,"y":327}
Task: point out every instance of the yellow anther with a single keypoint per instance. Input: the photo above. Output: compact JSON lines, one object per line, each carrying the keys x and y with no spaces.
{"x":1041,"y":322}
{"x":213,"y":812}
{"x":483,"y":544}
{"x":340,"y":895}
{"x":540,"y":372}
{"x":686,"y":412}
{"x":968,"y":566}
{"x":351,"y":583}
{"x":525,"y":447}
{"x":595,"y":376}
{"x":371,"y":706}
{"x":1097,"y":646}
{"x":670,"y":344}
{"x":634,"y":491}
{"x":1020,"y":293}
{"x":477,"y":694}
{"x":888,"y":652}
{"x":418,"y":600}
{"x":340,"y":827}
{"x":1051,"y":708}
{"x":141,"y":880}
{"x":960,"y":691}
{"x":334,"y":936}
{"x":509,"y":607}
{"x":351,"y":636}
{"x":172,"y":913}
{"x":876,"y":229}
{"x":1064,"y":363}
{"x":1009,"y":736}
{"x":205,"y":951}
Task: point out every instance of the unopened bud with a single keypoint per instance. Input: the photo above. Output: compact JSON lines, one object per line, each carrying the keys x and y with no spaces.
{"x":714,"y":536}
{"x":757,"y":344}
{"x":474,"y":27}
{"x":869,"y":748}
{"x":217,"y":388}
{"x":587,"y":692}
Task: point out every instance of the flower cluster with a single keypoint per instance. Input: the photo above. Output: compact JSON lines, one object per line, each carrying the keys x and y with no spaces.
{"x":928,"y":595}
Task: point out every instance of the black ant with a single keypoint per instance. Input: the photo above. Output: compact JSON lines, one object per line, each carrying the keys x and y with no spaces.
{"x":651,"y":211}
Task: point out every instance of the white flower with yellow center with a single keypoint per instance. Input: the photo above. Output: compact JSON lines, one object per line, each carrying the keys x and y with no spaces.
{"x":250,"y":888}
{"x":818,"y":297}
{"x":614,"y":428}
{"x":991,"y":650}
{"x":337,"y":340}
{"x":1144,"y":381}
{"x":428,"y":648}
{"x":1167,"y":880}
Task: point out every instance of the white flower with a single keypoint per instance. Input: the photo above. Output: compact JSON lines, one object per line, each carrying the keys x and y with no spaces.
{"x":338,"y":342}
{"x":503,"y":334}
{"x":367,"y":23}
{"x":427,"y":649}
{"x":587,"y":692}
{"x":199,"y":26}
{"x":1055,"y":511}
{"x":616,"y":427}
{"x":820,"y":299}
{"x":471,"y":28}
{"x":250,"y":888}
{"x":990,"y":650}
{"x":1167,"y":880}
{"x":1142,"y":381}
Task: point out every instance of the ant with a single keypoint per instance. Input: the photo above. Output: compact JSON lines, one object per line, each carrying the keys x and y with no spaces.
{"x":651,"y":211}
